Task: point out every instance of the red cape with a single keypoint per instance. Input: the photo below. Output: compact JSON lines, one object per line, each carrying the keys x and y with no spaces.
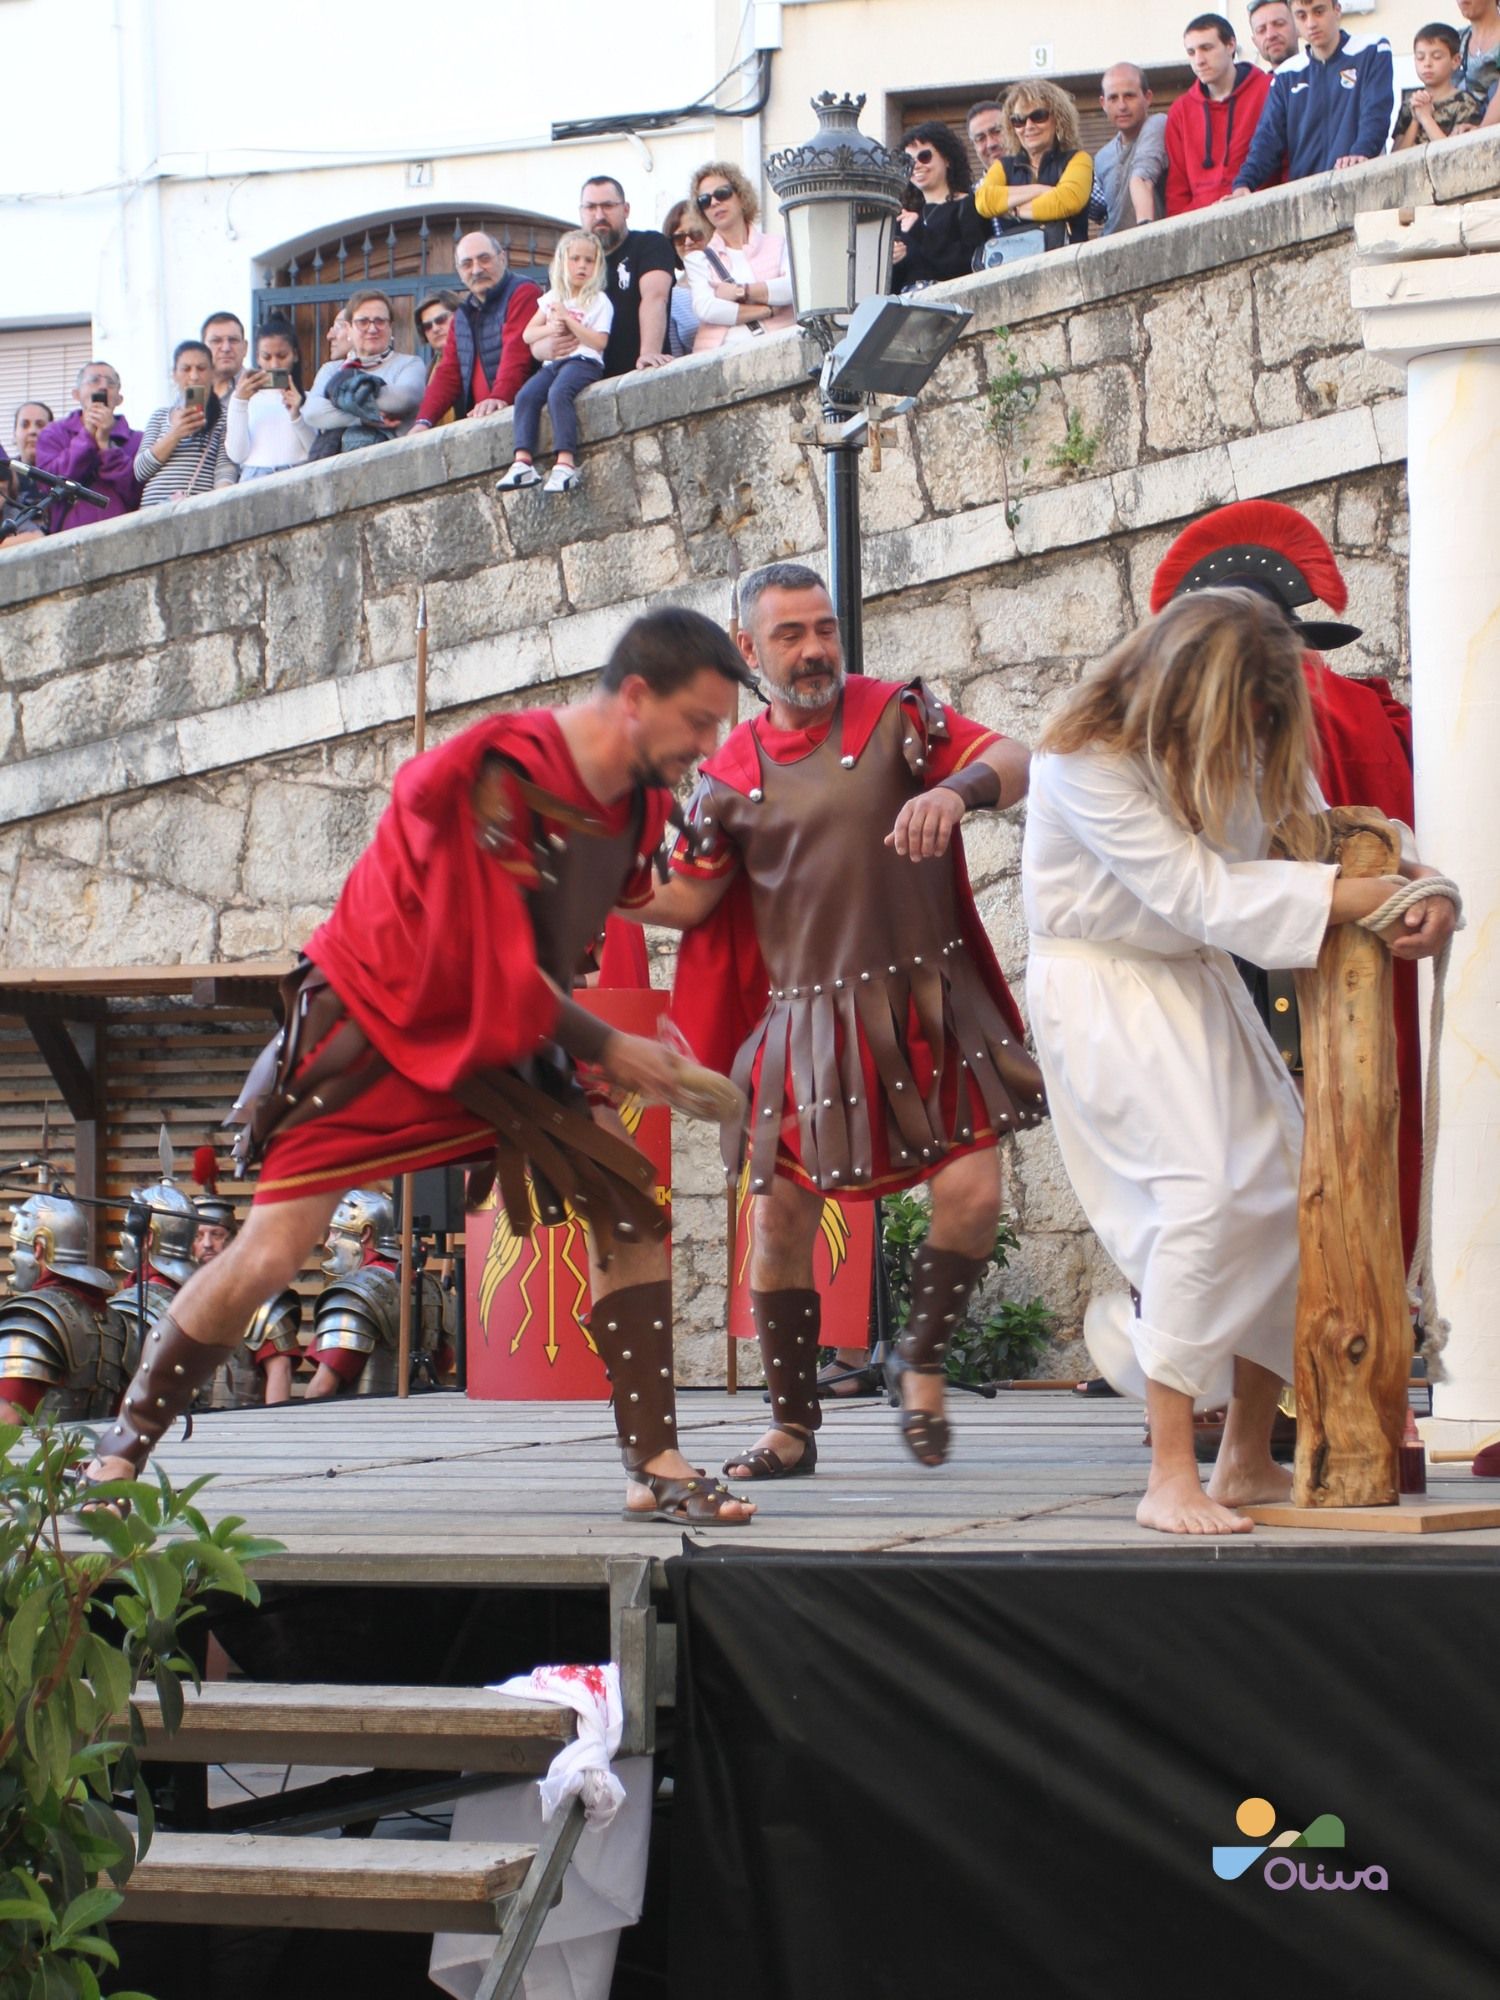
{"x":1364,"y":734}
{"x":430,"y":944}
{"x":719,"y":992}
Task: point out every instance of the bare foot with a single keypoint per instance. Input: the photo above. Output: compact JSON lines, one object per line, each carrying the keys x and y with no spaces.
{"x":1260,"y":1483}
{"x":1178,"y":1505}
{"x":639,"y":1499}
{"x":787,"y":1445}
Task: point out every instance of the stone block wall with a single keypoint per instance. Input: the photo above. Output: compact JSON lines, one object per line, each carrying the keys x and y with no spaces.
{"x":201,"y":709}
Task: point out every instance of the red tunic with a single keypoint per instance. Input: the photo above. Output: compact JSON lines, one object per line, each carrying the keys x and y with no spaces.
{"x":430,"y":947}
{"x":860,"y":1099}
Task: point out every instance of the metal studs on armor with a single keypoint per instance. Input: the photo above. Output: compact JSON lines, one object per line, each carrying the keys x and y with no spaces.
{"x":847,"y":762}
{"x":625,"y":1353}
{"x":178,"y":1369}
{"x":756,"y":795}
{"x":657,"y":1325}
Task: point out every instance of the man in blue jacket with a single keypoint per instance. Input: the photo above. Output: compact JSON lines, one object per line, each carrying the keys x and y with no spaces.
{"x":1330,"y":106}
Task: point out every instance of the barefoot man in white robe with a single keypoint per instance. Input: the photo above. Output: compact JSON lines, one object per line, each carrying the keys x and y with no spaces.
{"x":1146,"y":863}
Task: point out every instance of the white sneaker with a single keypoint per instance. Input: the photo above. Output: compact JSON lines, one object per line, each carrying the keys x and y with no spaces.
{"x":561,"y":479}
{"x":520,"y":474}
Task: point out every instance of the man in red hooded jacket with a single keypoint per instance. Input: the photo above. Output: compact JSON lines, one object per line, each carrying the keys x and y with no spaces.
{"x":1209,"y":128}
{"x":428,"y":1024}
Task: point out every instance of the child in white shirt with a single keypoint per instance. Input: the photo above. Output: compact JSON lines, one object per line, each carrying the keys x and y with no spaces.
{"x":567,"y":334}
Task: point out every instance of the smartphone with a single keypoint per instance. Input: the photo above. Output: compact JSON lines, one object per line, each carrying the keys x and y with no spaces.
{"x":195,"y":395}
{"x":99,"y":396}
{"x":278,"y":378}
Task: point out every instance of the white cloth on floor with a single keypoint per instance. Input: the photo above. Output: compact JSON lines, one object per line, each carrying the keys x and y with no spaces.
{"x":582,"y":1766}
{"x":1177,"y":1123}
{"x":602,"y":1893}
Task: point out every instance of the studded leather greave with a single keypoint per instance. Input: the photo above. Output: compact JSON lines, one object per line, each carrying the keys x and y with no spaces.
{"x":172,"y":1369}
{"x":787,"y":1324}
{"x":632,"y":1329}
{"x":941,"y":1284}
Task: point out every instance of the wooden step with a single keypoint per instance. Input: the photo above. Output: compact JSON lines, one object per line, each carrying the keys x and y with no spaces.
{"x":286,"y":1883}
{"x":375,"y":1728}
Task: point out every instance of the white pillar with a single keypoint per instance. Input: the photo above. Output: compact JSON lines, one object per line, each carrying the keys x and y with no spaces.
{"x":1427,"y":288}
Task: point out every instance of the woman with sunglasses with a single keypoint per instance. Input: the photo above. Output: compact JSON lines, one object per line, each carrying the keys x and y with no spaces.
{"x":741,"y":281}
{"x":1049,"y":178}
{"x":941,"y":240}
{"x":686,"y":231}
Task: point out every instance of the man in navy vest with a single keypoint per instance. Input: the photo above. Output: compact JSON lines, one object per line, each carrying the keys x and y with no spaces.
{"x":485,"y":358}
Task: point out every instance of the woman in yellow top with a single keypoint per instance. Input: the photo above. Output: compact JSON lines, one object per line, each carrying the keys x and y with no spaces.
{"x":1049,"y":178}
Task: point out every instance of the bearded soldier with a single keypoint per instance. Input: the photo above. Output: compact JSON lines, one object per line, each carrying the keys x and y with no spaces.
{"x":260,"y":1369}
{"x":834,"y":955}
{"x":357,"y":1319}
{"x":428,"y":1024}
{"x":58,"y":1338}
{"x":173,"y":1224}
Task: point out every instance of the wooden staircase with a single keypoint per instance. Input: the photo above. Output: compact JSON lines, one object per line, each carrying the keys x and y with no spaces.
{"x":295,"y":1880}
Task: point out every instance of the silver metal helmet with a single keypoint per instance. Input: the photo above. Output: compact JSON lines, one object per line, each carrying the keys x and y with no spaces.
{"x":361,"y":1209}
{"x":174,"y":1224}
{"x":216,"y":1210}
{"x":50,"y":1233}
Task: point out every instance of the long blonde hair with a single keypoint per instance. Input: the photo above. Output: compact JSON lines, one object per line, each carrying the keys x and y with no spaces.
{"x":1211,"y":696}
{"x":557,"y":277}
{"x":1036,"y":94}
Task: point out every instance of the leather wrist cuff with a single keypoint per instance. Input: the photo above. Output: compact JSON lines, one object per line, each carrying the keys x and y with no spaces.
{"x":632,"y":1329}
{"x":976,"y":784}
{"x":788,"y":1324}
{"x":581,"y":1034}
{"x":172,"y":1369}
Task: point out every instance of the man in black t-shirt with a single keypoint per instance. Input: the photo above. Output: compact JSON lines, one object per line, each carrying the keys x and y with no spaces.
{"x":639,"y":287}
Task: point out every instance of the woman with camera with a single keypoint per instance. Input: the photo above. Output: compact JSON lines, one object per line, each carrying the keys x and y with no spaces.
{"x":741,"y":281}
{"x":941,"y":239}
{"x":265,"y":430}
{"x":182,"y":443}
{"x":1050,"y":177}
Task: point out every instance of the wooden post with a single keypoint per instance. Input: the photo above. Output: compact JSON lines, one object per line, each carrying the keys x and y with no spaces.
{"x":408,"y":1275}
{"x":1354,"y":1340}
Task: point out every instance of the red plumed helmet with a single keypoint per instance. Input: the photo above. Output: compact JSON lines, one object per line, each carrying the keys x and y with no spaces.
{"x":1259,"y":545}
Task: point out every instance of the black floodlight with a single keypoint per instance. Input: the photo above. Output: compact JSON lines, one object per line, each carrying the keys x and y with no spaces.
{"x":892,"y":347}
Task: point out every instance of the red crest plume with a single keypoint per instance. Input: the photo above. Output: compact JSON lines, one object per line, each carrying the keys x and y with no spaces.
{"x":1254,"y":524}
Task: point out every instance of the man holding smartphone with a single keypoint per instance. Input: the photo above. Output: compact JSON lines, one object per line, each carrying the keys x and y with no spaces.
{"x":94,"y":445}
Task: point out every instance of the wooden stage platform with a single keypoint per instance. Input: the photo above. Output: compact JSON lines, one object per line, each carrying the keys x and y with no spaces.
{"x":440,"y":1490}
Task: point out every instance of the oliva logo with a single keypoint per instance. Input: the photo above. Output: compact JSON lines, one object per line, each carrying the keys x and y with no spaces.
{"x":1287,"y":1869}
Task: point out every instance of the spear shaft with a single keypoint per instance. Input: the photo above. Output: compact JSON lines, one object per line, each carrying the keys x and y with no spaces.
{"x":408,"y":1273}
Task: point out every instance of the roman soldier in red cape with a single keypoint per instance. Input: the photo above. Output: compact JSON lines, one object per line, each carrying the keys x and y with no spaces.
{"x":428,"y":1023}
{"x":834,"y":956}
{"x":1364,"y":741}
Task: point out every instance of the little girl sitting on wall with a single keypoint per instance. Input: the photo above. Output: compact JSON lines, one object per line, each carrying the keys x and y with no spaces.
{"x":567,"y":334}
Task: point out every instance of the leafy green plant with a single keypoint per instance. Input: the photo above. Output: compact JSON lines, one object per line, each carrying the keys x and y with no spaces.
{"x":1007,"y":1341}
{"x":1079,"y":447}
{"x":89,"y":1605}
{"x":1011,"y":396}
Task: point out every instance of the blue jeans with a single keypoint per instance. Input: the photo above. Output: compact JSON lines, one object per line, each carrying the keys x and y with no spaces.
{"x":555,"y":383}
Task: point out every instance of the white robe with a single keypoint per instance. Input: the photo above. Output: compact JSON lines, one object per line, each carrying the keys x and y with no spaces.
{"x":1178,"y":1125}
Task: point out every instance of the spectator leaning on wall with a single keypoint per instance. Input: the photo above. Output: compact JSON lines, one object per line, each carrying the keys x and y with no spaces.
{"x":17,"y":491}
{"x":1273,"y":31}
{"x":1329,"y":107}
{"x":183,"y":442}
{"x":373,"y":395}
{"x":1048,"y":178}
{"x":1437,"y":109}
{"x":1211,"y":126}
{"x":94,"y":445}
{"x":485,"y":358}
{"x":1130,"y":172}
{"x":639,"y":286}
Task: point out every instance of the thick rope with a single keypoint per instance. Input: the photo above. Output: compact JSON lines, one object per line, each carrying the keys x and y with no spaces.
{"x":1421,"y":1286}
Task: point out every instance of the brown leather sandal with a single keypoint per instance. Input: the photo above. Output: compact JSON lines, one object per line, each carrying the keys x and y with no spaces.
{"x":685,"y":1503}
{"x":926,"y":1435}
{"x":767,"y":1462}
